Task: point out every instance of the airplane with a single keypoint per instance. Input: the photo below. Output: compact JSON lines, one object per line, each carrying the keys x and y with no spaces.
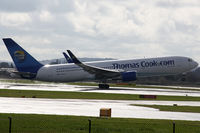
{"x":69,"y":60}
{"x":103,"y":71}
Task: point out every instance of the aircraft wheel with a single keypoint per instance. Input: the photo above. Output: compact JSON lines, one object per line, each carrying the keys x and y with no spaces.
{"x":104,"y":86}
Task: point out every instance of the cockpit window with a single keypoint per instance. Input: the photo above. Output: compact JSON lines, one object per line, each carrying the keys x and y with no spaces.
{"x":189,"y":60}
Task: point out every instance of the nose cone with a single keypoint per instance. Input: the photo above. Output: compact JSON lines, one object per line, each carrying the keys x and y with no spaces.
{"x":193,"y":64}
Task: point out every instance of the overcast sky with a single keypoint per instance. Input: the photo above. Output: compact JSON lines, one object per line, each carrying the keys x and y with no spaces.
{"x":102,"y":28}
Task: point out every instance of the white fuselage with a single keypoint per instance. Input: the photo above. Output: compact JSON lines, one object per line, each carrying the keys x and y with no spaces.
{"x":144,"y":67}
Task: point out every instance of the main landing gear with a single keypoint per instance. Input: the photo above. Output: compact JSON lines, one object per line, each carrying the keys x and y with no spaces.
{"x":104,"y":86}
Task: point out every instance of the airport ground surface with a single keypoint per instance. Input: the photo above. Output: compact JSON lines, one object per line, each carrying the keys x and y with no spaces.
{"x":90,"y":107}
{"x":83,"y":107}
{"x":144,"y":90}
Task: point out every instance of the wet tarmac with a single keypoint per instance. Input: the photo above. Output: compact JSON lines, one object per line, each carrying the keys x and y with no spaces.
{"x":80,"y":107}
{"x":122,"y":90}
{"x":120,"y":108}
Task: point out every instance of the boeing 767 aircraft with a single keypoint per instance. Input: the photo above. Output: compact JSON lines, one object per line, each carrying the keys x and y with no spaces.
{"x":102,"y":71}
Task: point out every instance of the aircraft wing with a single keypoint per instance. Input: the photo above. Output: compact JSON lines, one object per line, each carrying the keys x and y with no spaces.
{"x":100,"y":73}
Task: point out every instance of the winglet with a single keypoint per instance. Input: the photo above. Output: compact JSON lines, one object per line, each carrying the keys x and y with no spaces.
{"x":73,"y":57}
{"x":69,"y":60}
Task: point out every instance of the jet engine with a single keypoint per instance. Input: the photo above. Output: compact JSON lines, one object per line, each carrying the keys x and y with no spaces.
{"x":129,"y":76}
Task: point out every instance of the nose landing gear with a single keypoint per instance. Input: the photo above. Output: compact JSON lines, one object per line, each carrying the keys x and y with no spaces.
{"x":104,"y":86}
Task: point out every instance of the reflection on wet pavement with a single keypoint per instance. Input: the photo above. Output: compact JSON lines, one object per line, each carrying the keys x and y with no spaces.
{"x":120,"y":108}
{"x":121,"y":90}
{"x":80,"y":107}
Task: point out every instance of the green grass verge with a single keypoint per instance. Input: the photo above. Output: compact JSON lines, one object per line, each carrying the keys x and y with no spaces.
{"x":87,"y":95}
{"x":193,"y":109}
{"x":29,"y":123}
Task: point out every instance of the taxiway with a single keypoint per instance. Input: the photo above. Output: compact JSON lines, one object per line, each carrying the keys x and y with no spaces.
{"x":120,"y":90}
{"x":80,"y":107}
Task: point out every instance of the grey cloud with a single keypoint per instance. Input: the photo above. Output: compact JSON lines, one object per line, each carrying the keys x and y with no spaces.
{"x":61,"y":33}
{"x":34,"y":5}
{"x":168,"y":4}
{"x":176,"y":4}
{"x":18,"y":5}
{"x":186,"y":28}
{"x":60,"y":6}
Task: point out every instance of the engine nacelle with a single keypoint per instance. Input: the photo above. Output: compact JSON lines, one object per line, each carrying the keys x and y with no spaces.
{"x":129,"y":76}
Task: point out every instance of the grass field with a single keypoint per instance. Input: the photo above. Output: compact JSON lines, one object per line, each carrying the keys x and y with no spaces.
{"x":22,"y":123}
{"x":87,"y":95}
{"x":194,"y":109}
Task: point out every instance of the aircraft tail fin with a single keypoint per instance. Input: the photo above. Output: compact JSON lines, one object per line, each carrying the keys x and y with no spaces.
{"x":69,"y":60}
{"x":24,"y":62}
